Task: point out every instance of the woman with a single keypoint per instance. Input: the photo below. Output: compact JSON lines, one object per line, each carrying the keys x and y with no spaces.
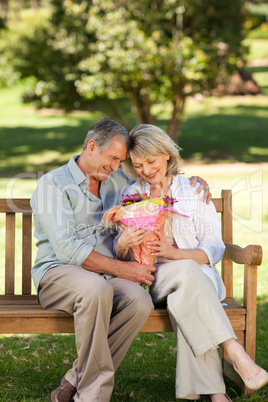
{"x":186,"y":277}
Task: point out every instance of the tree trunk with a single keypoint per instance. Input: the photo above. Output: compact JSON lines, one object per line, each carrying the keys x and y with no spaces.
{"x":118,"y":112}
{"x":174,"y":124}
{"x":141,"y":107}
{"x":35,"y":4}
{"x":146,"y":106}
{"x":136,"y":110}
{"x":4,"y":9}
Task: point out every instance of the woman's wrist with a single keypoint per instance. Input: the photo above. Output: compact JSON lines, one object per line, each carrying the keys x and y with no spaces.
{"x":176,"y":254}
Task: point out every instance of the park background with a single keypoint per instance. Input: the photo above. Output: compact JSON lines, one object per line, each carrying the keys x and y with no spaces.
{"x":224,"y":138}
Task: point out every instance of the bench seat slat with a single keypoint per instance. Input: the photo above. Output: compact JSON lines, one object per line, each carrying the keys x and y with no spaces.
{"x":12,"y":314}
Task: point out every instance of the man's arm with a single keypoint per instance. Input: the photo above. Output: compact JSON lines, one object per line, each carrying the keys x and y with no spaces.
{"x":130,"y":270}
{"x":54,"y":213}
{"x":203,"y":186}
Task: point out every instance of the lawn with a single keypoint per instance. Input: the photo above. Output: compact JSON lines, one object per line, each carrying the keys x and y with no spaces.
{"x":224,"y":140}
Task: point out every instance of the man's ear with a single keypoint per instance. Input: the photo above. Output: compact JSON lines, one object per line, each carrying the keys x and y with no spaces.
{"x":91,"y":146}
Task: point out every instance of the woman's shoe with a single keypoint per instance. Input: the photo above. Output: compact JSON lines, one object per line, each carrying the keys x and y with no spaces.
{"x":256,"y":382}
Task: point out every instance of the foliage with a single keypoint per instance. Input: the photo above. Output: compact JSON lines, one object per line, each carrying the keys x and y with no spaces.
{"x":158,"y":51}
{"x":8,"y":76}
{"x":50,"y":51}
{"x":148,"y":51}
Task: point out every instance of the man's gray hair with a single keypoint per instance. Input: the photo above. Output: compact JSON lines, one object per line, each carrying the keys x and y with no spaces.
{"x":104,"y":132}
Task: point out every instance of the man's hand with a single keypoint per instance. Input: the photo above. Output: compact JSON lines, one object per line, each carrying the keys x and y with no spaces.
{"x":133,"y":271}
{"x":130,"y":270}
{"x":203,"y":186}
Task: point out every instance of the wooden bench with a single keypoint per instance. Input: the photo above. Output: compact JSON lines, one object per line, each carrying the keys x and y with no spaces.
{"x":22,"y":314}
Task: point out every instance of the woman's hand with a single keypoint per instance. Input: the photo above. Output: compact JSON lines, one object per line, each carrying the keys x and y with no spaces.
{"x":203,"y":186}
{"x":162,"y":248}
{"x":131,"y":236}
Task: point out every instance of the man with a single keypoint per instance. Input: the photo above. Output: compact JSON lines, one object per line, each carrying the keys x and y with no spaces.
{"x":75,"y":269}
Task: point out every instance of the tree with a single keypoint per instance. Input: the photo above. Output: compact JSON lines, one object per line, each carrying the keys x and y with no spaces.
{"x":50,"y":50}
{"x":4,"y":9}
{"x":159,"y":51}
{"x":150,"y":51}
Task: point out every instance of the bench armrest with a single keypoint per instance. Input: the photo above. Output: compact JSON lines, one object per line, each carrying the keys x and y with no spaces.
{"x":251,"y":258}
{"x":250,"y":255}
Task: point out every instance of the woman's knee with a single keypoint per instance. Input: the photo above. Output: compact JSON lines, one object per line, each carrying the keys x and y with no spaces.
{"x":189,"y":268}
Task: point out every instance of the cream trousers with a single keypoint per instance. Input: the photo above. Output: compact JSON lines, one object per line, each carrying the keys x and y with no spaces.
{"x":107,"y":316}
{"x":199,"y":322}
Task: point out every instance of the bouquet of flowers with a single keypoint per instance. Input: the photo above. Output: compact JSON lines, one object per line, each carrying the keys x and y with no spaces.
{"x":142,"y":211}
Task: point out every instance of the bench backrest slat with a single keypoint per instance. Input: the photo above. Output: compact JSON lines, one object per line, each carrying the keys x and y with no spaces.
{"x":26,"y":253}
{"x":11,"y":207}
{"x":10,"y":254}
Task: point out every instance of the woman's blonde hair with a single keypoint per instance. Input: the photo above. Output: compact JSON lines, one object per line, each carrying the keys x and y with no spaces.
{"x":147,"y":140}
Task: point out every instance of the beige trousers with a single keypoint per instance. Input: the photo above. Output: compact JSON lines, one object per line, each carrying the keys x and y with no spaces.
{"x":107,"y":316}
{"x":199,"y":322}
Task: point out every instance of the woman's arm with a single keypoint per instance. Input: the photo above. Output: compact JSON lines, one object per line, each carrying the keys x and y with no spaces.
{"x":162,"y":248}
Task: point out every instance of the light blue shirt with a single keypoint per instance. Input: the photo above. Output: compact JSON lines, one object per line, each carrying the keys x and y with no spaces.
{"x":67,"y":217}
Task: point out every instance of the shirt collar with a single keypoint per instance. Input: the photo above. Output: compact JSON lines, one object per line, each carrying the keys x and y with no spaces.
{"x":76,"y":172}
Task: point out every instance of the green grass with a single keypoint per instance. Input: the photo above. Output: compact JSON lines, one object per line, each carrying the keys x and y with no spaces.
{"x":226,"y":130}
{"x":31,"y":367}
{"x":261,"y":32}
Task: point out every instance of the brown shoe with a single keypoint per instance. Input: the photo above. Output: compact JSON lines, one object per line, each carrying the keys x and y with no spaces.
{"x":64,"y":393}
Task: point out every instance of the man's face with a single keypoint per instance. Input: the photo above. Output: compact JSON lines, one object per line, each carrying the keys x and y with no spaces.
{"x":103,"y":163}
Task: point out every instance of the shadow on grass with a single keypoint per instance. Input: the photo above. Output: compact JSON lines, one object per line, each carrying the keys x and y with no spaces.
{"x":257,"y":69}
{"x":21,"y":143}
{"x":47,"y":144}
{"x":226,"y":137}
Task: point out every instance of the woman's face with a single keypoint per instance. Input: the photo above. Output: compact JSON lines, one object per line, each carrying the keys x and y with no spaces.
{"x":152,"y":169}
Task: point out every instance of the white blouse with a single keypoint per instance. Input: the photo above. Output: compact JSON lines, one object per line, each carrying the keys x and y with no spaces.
{"x":201,"y":230}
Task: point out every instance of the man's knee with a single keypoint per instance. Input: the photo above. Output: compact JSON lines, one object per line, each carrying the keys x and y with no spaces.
{"x":96,"y":292}
{"x":133,"y":297}
{"x":143,"y":302}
